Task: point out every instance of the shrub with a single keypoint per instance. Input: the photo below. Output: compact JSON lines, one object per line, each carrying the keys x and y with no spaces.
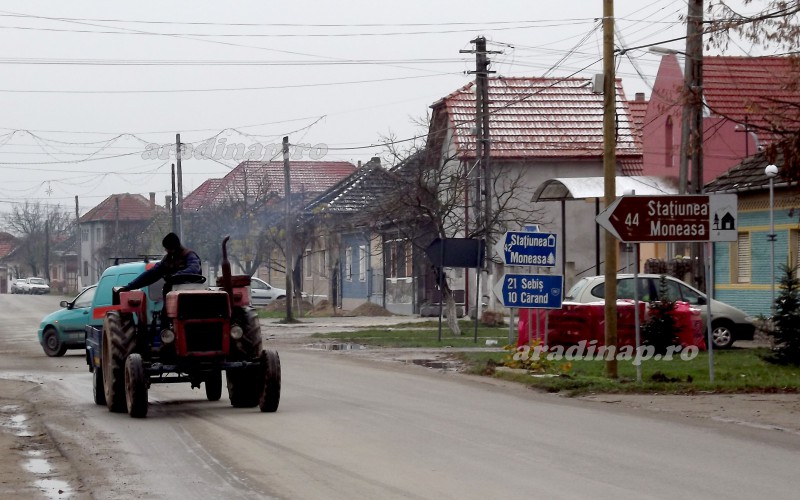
{"x":659,"y":330}
{"x":786,"y":322}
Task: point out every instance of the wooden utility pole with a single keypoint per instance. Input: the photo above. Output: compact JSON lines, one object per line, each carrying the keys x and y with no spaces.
{"x":172,"y":203}
{"x":483,"y":176}
{"x":79,"y":239}
{"x":610,"y":181}
{"x":287,"y":194}
{"x":694,"y":59}
{"x":180,"y":185}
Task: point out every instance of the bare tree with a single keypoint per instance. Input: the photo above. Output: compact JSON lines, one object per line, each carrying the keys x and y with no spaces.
{"x":433,"y":200}
{"x":38,"y":226}
{"x":776,"y":26}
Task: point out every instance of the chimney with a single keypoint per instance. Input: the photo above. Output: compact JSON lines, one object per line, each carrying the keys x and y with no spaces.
{"x":639,"y":97}
{"x":168,"y":201}
{"x":359,"y":163}
{"x":152,"y":199}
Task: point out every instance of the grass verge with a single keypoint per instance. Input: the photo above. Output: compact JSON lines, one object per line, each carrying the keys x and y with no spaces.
{"x":735,"y":370}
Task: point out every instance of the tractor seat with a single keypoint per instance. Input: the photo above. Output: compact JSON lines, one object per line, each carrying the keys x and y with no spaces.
{"x":238,"y":281}
{"x":182,"y":279}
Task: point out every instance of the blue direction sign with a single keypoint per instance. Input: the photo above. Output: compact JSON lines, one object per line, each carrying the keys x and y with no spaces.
{"x":520,"y":248}
{"x":543,"y":291}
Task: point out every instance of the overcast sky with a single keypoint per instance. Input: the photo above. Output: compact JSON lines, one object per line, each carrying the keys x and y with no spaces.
{"x":90,"y":90}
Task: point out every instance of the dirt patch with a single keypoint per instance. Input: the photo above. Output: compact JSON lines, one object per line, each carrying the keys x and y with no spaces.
{"x":370,"y":309}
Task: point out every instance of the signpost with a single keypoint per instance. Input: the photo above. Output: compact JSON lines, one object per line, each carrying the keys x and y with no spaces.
{"x":520,"y":248}
{"x":674,"y":218}
{"x":668,"y":218}
{"x":530,"y":291}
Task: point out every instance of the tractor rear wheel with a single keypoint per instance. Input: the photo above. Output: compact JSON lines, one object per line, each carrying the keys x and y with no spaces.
{"x":119,"y":341}
{"x":53,"y":347}
{"x":214,"y":385}
{"x":135,"y":386}
{"x":271,"y":392}
{"x":97,"y":386}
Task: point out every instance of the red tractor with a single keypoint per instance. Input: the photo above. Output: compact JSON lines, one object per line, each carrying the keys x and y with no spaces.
{"x":197,"y":334}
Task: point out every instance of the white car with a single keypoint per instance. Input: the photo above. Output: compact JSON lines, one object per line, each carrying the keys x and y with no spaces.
{"x":18,"y":286}
{"x":729,"y":324}
{"x":34,"y":286}
{"x":262,"y":293}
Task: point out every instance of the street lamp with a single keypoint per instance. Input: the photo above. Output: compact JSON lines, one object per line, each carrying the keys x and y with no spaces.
{"x":771,"y":171}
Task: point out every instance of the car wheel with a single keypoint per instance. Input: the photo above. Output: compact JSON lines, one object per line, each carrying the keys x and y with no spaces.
{"x":721,"y":335}
{"x":51,"y":344}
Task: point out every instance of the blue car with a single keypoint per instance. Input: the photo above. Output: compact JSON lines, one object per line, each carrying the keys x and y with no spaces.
{"x":65,"y":329}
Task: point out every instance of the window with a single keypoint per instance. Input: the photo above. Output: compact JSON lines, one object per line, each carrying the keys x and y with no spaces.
{"x":85,"y":234}
{"x":743,"y":258}
{"x":322,"y":264}
{"x":348,"y":263}
{"x":86,"y":268}
{"x":362,"y":263}
{"x":399,"y":262}
{"x":794,"y":250}
{"x":307,"y":262}
{"x":668,"y":143}
{"x":98,"y":233}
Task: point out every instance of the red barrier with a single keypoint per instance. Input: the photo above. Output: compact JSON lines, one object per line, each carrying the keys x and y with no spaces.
{"x":575,"y":322}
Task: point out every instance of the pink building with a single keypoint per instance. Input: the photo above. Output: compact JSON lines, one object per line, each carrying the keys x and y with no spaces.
{"x":745,"y":99}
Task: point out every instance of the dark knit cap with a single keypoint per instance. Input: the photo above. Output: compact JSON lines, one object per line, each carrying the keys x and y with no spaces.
{"x":171,"y":242}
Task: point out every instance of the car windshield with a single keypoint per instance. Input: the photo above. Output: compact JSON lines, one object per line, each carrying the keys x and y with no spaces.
{"x":37,"y":281}
{"x":573,"y":292}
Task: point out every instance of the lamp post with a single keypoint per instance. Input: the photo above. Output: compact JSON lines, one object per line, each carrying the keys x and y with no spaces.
{"x":771,"y":171}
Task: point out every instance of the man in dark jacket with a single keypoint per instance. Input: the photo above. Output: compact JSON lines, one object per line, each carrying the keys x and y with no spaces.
{"x":178,"y":260}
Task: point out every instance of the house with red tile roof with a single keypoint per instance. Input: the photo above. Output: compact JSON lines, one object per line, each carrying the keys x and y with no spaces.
{"x":540,"y":128}
{"x":260,"y":186}
{"x":746,"y":101}
{"x":126,"y":226}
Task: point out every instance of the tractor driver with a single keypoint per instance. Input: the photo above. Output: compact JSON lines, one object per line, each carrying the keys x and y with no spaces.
{"x":178,"y":260}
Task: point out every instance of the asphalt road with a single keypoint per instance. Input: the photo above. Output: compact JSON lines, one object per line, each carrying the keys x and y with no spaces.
{"x":348,"y":428}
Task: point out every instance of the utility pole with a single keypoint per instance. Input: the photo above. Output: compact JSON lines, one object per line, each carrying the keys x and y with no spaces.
{"x":694,"y":131}
{"x":180,"y":186}
{"x":483,"y":177}
{"x":172,"y":203}
{"x":79,"y":239}
{"x":287,"y":194}
{"x":610,"y":181}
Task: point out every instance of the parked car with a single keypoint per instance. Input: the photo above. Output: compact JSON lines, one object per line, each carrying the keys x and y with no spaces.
{"x":35,"y":286}
{"x":64,"y":329}
{"x":262,"y":293}
{"x":728,"y":323}
{"x":18,"y":285}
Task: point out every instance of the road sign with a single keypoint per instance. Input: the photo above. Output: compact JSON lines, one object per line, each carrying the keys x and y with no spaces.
{"x":543,"y":291}
{"x":671,"y":218}
{"x":456,"y":252}
{"x":520,"y":248}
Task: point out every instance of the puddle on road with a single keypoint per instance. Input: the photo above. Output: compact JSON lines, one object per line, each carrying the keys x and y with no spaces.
{"x":343,"y":346}
{"x":437,"y":364}
{"x":12,"y":418}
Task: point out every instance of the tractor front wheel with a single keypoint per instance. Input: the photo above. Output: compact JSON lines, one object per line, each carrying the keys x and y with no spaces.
{"x":119,"y":341}
{"x":244,"y":386}
{"x":271,"y":392}
{"x":135,"y":386}
{"x":214,"y":385}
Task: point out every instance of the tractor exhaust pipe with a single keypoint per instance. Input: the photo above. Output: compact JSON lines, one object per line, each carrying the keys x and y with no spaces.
{"x":226,"y":271}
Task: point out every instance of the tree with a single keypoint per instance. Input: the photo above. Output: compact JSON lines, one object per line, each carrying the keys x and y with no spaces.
{"x":786,"y":322}
{"x":776,"y":27}
{"x":38,"y":225}
{"x":433,"y":200}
